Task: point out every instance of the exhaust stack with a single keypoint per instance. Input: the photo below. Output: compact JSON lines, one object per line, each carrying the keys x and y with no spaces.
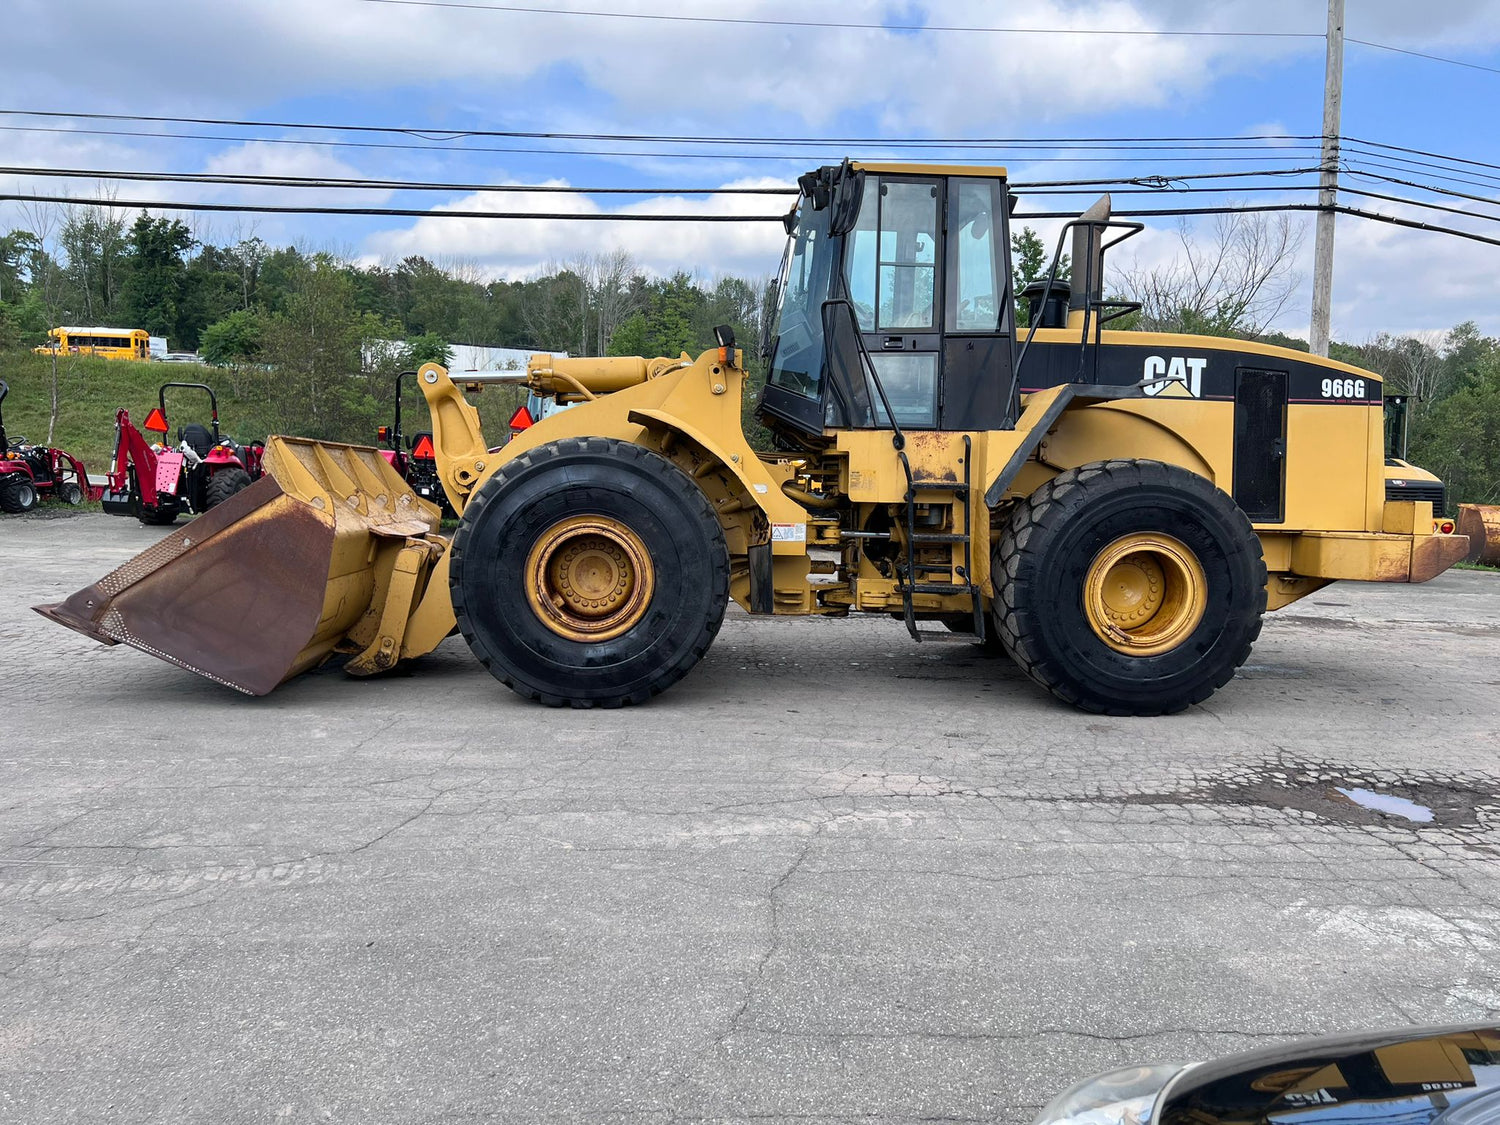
{"x":1088,"y":256}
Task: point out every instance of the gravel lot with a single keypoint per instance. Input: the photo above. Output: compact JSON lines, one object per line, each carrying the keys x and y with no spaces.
{"x":832,"y":876}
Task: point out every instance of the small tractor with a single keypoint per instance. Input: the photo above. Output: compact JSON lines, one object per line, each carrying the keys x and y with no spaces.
{"x":156,"y":483}
{"x":1115,"y":510}
{"x":415,"y":461}
{"x":30,"y":473}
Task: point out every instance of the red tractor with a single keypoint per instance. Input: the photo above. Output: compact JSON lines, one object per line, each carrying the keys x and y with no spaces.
{"x":417,"y":460}
{"x":156,"y":483}
{"x":30,"y":473}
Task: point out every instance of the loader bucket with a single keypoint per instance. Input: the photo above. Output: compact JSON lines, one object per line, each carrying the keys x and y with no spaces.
{"x":330,"y":550}
{"x":1481,"y":523}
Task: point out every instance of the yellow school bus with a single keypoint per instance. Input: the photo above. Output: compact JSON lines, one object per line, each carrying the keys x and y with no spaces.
{"x":110,"y":343}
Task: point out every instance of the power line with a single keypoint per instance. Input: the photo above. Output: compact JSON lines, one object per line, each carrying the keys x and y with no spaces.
{"x":393,"y":212}
{"x":1421,"y":152}
{"x":1489,"y":199}
{"x":1405,"y":170}
{"x":918,"y":27}
{"x":338,"y":184}
{"x":1346,"y":189}
{"x":1420,"y":55}
{"x":401,"y":212}
{"x":1145,"y":183}
{"x":746,"y":21}
{"x":1415,"y":163}
{"x":1261,"y":151}
{"x":1235,"y":142}
{"x":1337,"y":208}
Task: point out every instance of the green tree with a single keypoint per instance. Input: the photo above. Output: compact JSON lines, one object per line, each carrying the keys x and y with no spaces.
{"x":157,"y":281}
{"x":429,"y":347}
{"x":233,"y":339}
{"x":674,"y":321}
{"x":322,"y":378}
{"x":1029,"y":262}
{"x":94,"y":245}
{"x":1459,"y":440}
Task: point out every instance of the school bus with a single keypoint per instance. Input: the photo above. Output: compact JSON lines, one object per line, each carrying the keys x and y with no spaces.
{"x":110,"y":343}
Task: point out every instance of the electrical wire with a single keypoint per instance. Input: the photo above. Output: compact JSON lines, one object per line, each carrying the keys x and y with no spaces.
{"x":1145,"y":183}
{"x":1421,"y":152}
{"x":1251,"y":141}
{"x":401,"y":212}
{"x":1344,"y":189}
{"x":1148,"y":157}
{"x":339,"y":184}
{"x":1422,"y":55}
{"x":1489,"y":199}
{"x":1337,"y":209}
{"x":394,"y":212}
{"x":843,"y":25}
{"x":1247,"y":140}
{"x":1411,"y":162}
{"x":469,"y":5}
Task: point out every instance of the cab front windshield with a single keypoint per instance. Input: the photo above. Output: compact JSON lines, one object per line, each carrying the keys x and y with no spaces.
{"x":797,"y":358}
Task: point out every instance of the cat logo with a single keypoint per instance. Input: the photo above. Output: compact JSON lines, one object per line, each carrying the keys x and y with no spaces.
{"x":1178,"y":377}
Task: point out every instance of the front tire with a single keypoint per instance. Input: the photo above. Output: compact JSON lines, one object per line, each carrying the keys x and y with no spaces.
{"x":17,"y":494}
{"x":1129,"y":587}
{"x":589,"y":572}
{"x":222,"y":485}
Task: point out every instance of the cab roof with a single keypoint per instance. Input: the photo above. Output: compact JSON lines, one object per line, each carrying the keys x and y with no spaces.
{"x":989,"y":170}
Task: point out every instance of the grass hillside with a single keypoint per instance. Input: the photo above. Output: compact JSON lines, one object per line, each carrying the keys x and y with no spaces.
{"x":91,"y":390}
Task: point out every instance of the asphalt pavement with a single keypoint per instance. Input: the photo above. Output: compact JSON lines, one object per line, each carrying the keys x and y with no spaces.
{"x":832,"y":876}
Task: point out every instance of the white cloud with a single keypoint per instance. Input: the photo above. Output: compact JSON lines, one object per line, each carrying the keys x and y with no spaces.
{"x":215,"y":54}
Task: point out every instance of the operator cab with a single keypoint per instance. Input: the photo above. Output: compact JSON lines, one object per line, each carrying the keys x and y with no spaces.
{"x":903,"y":269}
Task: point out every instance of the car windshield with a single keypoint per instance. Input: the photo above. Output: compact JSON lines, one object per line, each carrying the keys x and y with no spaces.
{"x":797,"y":363}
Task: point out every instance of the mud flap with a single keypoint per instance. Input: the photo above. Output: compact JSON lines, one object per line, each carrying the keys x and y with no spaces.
{"x":270,"y":582}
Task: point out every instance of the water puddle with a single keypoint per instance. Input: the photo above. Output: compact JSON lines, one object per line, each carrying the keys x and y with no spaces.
{"x":1389,"y":804}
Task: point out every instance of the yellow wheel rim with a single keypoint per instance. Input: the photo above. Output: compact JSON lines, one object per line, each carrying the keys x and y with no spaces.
{"x":589,"y":578}
{"x":1144,"y":594}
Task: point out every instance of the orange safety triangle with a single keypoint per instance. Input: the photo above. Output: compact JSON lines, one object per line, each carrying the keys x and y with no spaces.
{"x":423,"y":450}
{"x":521,"y":419}
{"x":156,"y":421}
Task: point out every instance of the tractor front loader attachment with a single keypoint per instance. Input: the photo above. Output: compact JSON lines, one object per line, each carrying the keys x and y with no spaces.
{"x":329,"y":552}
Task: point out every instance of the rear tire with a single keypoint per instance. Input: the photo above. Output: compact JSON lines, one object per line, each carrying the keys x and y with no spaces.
{"x":589,"y":572}
{"x":157,"y":517}
{"x":1129,"y":587}
{"x":222,"y":485}
{"x":17,"y":494}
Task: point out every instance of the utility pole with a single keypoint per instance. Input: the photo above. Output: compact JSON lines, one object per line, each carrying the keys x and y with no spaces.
{"x":1328,"y":181}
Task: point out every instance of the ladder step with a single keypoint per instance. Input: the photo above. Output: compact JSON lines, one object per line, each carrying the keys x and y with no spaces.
{"x":938,"y":588}
{"x":940,"y":485}
{"x":936,"y":537}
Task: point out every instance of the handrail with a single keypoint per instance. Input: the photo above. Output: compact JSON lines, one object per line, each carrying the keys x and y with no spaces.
{"x":213,"y":402}
{"x":867,"y":366}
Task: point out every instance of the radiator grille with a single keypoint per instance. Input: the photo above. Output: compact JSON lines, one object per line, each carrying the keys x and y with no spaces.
{"x":1398,"y":489}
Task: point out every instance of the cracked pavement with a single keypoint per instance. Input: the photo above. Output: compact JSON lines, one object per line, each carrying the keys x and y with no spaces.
{"x":832,"y":876}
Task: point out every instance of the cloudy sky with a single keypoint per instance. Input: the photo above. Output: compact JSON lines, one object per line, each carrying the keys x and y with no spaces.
{"x":919,"y":71}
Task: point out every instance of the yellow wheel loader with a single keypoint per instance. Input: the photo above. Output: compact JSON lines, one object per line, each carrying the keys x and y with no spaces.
{"x":1116,"y":510}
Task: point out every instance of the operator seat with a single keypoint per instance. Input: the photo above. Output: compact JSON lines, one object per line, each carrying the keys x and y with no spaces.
{"x":198,"y":438}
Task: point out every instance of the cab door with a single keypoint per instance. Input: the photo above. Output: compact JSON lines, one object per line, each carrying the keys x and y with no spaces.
{"x":892,"y":271}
